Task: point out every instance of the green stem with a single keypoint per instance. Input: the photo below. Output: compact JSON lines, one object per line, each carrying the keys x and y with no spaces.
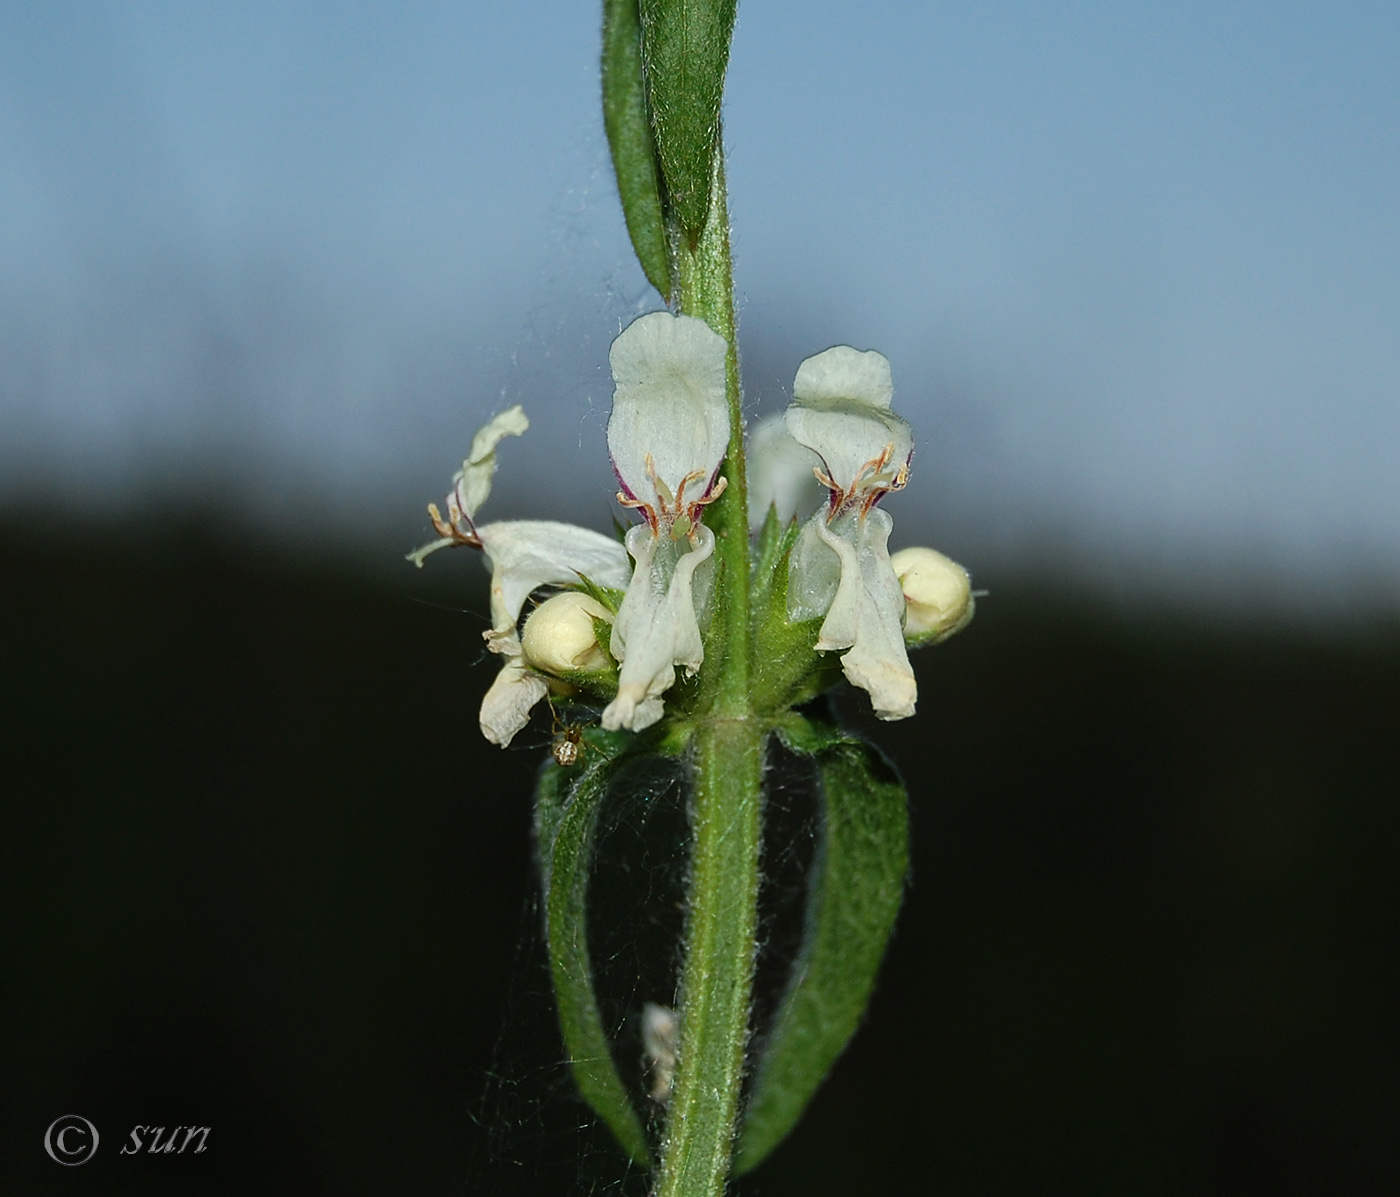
{"x":705,"y":288}
{"x":721,"y":925}
{"x":722,"y":911}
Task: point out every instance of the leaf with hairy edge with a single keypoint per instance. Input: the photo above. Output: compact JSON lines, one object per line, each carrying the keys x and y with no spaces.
{"x":854,"y":893}
{"x":629,"y":136}
{"x":566,"y":815}
{"x":685,"y":53}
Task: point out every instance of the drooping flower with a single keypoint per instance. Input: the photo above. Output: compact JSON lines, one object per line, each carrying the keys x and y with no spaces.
{"x":524,"y":555}
{"x":667,"y":435}
{"x":840,"y":566}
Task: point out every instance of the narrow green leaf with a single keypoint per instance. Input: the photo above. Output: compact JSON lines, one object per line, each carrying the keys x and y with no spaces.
{"x":685,"y":53}
{"x":629,"y":136}
{"x":566,"y":816}
{"x":856,"y":886}
{"x":774,"y":539}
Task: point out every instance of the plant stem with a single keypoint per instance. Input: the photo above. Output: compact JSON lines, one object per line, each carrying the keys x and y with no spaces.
{"x":722,"y":911}
{"x":705,"y":288}
{"x":718,"y":974}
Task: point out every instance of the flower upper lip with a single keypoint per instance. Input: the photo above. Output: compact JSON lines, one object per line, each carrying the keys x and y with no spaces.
{"x":669,"y":427}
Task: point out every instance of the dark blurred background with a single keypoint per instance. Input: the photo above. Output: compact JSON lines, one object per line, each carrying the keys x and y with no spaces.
{"x":263,"y":875}
{"x":263,"y":270}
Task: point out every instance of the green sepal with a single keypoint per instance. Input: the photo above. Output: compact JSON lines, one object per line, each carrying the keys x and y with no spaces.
{"x":629,"y":137}
{"x":786,"y":669}
{"x":685,"y":53}
{"x":854,"y":892}
{"x":567,"y":802}
{"x":592,"y":687}
{"x":604,"y":596}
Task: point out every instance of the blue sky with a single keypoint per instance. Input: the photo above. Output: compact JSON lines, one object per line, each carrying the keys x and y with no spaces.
{"x":1137,"y":267}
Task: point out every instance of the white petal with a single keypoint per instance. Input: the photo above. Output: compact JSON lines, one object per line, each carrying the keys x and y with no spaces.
{"x":669,"y":402}
{"x":780,"y":474}
{"x":418,"y":555}
{"x":528,"y":554}
{"x":656,"y":627}
{"x":814,"y":573}
{"x":507,"y":705}
{"x":841,"y":411}
{"x":867,"y":615}
{"x":472,"y":483}
{"x":843,"y":375}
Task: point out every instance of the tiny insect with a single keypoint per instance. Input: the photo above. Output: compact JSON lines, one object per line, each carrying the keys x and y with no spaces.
{"x":568,"y":745}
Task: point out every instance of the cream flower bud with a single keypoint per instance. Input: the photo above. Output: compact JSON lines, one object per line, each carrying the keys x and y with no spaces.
{"x":938,"y":593}
{"x":559,"y":637}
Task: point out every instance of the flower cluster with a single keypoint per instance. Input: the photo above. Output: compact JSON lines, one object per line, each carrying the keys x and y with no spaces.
{"x":839,"y":449}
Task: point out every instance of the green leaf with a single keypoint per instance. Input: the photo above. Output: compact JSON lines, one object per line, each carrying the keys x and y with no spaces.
{"x":629,"y":136}
{"x":685,"y":53}
{"x":566,"y":816}
{"x":774,"y":539}
{"x":855,"y":890}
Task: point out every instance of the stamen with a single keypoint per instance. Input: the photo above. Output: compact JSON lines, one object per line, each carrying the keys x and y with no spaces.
{"x":646,"y":509}
{"x":718,"y":489}
{"x":663,"y":492}
{"x":449,"y":530}
{"x":868,"y":487}
{"x":680,"y":490}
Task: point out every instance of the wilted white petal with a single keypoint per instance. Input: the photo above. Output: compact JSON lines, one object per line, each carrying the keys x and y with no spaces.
{"x":841,"y":411}
{"x":656,"y":628}
{"x":472,"y":483}
{"x":528,"y":554}
{"x":780,"y":474}
{"x":669,"y":405}
{"x":661,"y":1036}
{"x":867,"y":614}
{"x":507,"y":705}
{"x":419,"y":554}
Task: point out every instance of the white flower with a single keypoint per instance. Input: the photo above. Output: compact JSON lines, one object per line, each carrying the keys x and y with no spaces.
{"x":840,"y":566}
{"x":668,"y":433}
{"x":524,"y":555}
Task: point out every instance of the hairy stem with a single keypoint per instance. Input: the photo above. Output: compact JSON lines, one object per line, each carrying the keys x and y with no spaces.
{"x":722,"y":911}
{"x":705,"y":287}
{"x":717,"y":981}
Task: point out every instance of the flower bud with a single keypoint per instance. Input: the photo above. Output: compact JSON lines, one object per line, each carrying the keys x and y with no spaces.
{"x":938,"y":593}
{"x":559,"y":638}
